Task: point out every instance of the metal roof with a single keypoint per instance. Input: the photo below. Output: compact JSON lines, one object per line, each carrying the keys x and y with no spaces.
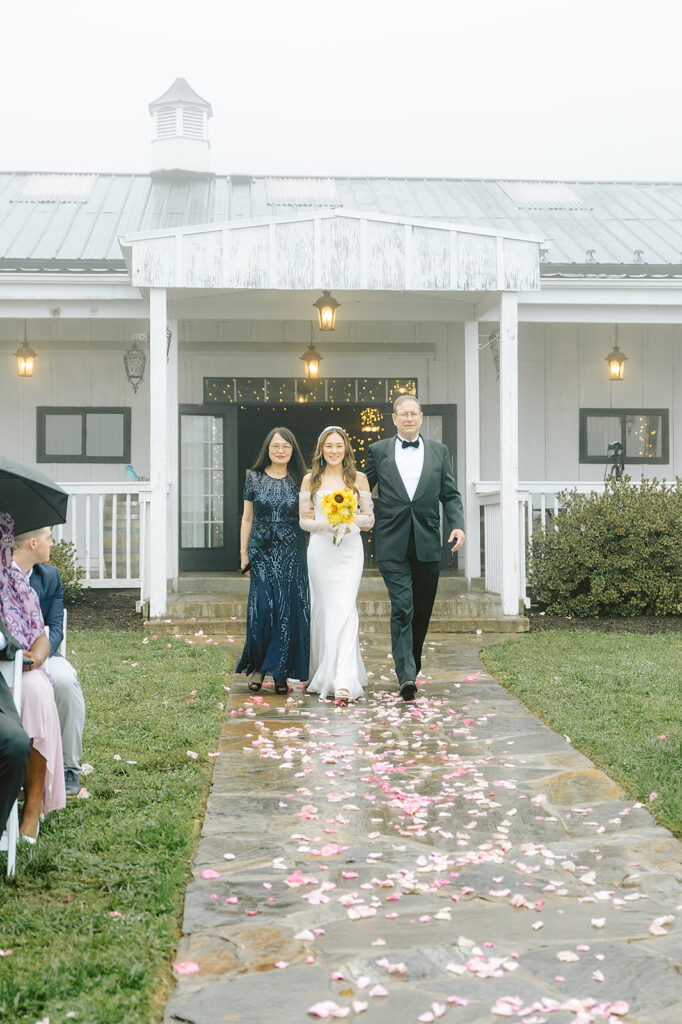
{"x":75,"y":221}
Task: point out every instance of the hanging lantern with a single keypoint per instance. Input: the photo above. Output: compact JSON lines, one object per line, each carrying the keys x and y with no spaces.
{"x":135,"y":361}
{"x":311,"y":360}
{"x":616,"y":361}
{"x":326,"y":307}
{"x":25,"y":358}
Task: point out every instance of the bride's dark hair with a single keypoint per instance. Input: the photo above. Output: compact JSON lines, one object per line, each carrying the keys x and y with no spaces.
{"x":348,"y":469}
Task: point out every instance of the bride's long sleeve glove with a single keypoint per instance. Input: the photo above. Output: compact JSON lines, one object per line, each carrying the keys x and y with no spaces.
{"x":365,"y":517}
{"x":306,"y":516}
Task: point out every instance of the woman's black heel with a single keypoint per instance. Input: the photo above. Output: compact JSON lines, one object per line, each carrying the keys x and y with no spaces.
{"x":255,"y":684}
{"x":281,"y":687}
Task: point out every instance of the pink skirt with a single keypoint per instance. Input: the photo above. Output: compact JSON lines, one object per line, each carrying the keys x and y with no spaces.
{"x":40,"y":720}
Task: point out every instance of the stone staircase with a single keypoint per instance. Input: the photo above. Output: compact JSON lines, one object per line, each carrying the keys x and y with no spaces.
{"x":216,"y":603}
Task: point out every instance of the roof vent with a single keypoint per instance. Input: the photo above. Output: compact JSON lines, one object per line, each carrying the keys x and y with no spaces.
{"x":180,"y":142}
{"x":55,"y":188}
{"x":302,"y":192}
{"x":543,"y":195}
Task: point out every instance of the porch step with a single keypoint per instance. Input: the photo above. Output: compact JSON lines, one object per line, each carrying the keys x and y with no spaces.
{"x":232,"y":584}
{"x":205,"y":606}
{"x":215,"y":603}
{"x":236,"y":628}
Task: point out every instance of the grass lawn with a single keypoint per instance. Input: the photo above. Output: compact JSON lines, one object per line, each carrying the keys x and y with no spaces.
{"x":94,"y":915}
{"x":618,"y":697}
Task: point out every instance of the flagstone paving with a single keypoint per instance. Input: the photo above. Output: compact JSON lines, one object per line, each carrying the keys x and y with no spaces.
{"x":451,"y":858}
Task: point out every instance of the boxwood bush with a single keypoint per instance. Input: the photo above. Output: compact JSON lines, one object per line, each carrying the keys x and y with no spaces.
{"x":65,"y":557}
{"x":616,"y":553}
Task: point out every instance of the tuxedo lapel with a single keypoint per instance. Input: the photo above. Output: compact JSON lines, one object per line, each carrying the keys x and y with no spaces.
{"x":427,"y":469}
{"x":393,"y":471}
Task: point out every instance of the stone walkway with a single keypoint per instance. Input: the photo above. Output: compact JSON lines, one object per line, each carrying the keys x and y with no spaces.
{"x":401,"y":863}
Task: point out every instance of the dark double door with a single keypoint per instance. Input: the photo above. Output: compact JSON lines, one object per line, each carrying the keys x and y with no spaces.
{"x":219,"y":443}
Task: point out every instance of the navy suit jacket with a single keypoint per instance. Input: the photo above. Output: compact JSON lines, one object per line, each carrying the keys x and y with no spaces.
{"x":47,"y":583}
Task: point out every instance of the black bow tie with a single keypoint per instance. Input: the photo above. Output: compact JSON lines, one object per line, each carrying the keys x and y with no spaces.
{"x":410,"y":444}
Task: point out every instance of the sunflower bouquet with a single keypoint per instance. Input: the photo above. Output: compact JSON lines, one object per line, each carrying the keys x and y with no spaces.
{"x":340,"y":507}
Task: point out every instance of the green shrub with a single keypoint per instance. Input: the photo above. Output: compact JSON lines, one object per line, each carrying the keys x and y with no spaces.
{"x":616,"y":553}
{"x":65,"y":557}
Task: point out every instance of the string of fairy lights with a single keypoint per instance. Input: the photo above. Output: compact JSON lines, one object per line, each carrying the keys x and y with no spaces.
{"x":642,"y":436}
{"x":300,"y":390}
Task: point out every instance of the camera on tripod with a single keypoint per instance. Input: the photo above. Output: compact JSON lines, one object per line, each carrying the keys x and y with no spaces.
{"x":616,"y":454}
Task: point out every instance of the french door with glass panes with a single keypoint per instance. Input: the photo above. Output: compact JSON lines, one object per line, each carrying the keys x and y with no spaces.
{"x":208,"y":488}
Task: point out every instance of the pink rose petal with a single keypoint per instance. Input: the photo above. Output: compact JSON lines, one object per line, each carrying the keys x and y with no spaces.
{"x":186,"y":967}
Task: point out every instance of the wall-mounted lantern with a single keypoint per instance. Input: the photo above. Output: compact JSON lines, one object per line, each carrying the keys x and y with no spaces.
{"x":135,"y":361}
{"x":326,"y":307}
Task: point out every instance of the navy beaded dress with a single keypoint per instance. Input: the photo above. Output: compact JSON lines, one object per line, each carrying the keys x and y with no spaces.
{"x":278,"y":612}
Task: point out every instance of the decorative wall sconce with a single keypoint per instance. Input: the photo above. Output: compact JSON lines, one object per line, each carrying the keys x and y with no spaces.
{"x":493,"y":343}
{"x":616,"y":361}
{"x":326,"y":307}
{"x":135,"y":361}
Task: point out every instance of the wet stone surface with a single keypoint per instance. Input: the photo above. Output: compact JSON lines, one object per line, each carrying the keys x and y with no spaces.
{"x":447,"y":859}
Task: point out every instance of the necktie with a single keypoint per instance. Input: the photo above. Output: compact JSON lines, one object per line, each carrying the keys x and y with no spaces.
{"x":411,"y":444}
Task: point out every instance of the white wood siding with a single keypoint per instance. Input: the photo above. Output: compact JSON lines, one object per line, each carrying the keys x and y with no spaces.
{"x":561,"y":369}
{"x":334,"y":250}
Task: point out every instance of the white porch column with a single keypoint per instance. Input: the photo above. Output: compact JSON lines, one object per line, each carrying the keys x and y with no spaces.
{"x":172,"y":455}
{"x":472,"y":452}
{"x":509,"y":451}
{"x":158,"y":457}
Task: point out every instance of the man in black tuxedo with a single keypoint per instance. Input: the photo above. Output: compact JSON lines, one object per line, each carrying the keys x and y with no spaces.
{"x":414,"y":475}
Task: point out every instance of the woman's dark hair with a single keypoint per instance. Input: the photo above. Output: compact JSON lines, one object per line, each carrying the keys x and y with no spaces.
{"x":296,"y":468}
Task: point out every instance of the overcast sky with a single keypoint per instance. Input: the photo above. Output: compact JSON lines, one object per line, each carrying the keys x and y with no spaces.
{"x":483,"y":88}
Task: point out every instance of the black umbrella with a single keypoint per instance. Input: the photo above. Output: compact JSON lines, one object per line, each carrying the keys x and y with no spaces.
{"x":30,"y":497}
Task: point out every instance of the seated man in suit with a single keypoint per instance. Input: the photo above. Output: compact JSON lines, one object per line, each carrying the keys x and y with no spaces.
{"x":32,"y":554}
{"x":15,"y":746}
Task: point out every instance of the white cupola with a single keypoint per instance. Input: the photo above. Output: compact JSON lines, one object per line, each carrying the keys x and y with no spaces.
{"x":180,"y":142}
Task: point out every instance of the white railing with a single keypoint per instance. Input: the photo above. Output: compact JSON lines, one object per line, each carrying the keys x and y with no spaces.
{"x":109,"y":525}
{"x":538,"y":508}
{"x":492,"y":540}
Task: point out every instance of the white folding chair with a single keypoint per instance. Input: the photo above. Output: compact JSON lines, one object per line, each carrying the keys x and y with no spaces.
{"x":10,"y":837}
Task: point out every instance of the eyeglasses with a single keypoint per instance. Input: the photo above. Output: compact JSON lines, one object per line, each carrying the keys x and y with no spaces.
{"x":281,"y":448}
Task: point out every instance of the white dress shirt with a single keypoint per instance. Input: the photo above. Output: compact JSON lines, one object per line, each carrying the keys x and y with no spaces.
{"x":410,"y":462}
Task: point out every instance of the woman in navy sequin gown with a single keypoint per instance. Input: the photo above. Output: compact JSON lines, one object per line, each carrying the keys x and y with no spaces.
{"x":274,"y":547}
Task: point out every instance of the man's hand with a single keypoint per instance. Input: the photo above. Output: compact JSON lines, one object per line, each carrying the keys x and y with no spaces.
{"x":458,"y":536}
{"x":30,"y":662}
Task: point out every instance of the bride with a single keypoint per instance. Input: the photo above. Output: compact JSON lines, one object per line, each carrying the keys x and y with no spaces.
{"x":334,"y":569}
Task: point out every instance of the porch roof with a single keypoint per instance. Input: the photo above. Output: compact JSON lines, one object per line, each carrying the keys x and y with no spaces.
{"x":334,"y":249}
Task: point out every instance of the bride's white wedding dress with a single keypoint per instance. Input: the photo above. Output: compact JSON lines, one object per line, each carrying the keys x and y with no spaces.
{"x":335,"y":572}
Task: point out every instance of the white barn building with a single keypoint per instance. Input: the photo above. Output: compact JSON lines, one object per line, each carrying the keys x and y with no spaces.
{"x":496,"y":301}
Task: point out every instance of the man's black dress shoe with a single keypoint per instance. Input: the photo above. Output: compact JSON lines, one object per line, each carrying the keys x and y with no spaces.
{"x":408,"y":690}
